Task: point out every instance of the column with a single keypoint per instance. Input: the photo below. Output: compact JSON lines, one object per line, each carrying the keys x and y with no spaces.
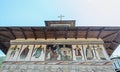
{"x":96,"y":51}
{"x":73,"y":52}
{"x":84,"y":51}
{"x":104,"y":52}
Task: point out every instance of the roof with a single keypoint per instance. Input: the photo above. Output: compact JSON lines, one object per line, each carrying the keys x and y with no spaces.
{"x":110,"y":35}
{"x":60,"y":22}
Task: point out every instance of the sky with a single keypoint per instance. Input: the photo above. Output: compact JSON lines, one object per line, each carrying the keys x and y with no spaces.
{"x":35,"y":12}
{"x":116,"y":53}
{"x":1,"y":53}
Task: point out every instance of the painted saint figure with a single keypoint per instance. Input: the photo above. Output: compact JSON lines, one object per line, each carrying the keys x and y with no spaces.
{"x":89,"y":53}
{"x":65,"y":57}
{"x":13,"y":51}
{"x":66,"y":54}
{"x":24,"y":53}
{"x":100,"y":52}
{"x":57,"y":50}
{"x":53,"y":56}
{"x":38,"y":50}
{"x":78,"y":53}
{"x":48,"y":53}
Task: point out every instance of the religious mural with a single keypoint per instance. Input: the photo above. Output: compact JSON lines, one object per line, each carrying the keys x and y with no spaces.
{"x":94,"y":52}
{"x":13,"y":52}
{"x":57,"y":58}
{"x":89,"y":52}
{"x":78,"y":52}
{"x":25,"y":53}
{"x":100,"y":52}
{"x":55,"y":52}
{"x":38,"y":53}
{"x":58,"y":53}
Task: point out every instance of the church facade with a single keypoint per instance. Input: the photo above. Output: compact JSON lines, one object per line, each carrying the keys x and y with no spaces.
{"x":64,"y":54}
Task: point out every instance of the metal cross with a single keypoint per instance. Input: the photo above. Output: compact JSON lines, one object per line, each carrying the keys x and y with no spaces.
{"x":61,"y":16}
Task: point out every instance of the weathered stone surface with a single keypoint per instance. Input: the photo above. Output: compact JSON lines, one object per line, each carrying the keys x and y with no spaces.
{"x":56,"y":68}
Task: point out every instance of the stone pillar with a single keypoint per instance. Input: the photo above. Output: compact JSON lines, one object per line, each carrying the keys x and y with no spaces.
{"x":17,"y":52}
{"x":84,"y":52}
{"x":104,"y":52}
{"x":93,"y":51}
{"x":29,"y":53}
{"x":73,"y":51}
{"x":96,"y":52}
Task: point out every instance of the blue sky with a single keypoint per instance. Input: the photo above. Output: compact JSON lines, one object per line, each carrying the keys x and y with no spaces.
{"x":35,"y":12}
{"x":1,"y":53}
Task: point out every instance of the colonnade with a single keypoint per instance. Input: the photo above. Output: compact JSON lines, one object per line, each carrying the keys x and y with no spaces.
{"x":41,"y":52}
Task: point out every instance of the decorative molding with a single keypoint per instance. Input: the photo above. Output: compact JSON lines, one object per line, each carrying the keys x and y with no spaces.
{"x":58,"y":41}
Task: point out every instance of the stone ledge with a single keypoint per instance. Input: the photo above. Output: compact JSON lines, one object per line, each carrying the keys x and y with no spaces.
{"x":99,"y":63}
{"x":55,"y":68}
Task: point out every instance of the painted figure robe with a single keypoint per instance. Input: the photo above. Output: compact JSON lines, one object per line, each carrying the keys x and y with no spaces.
{"x":48,"y":53}
{"x":89,"y":53}
{"x":38,"y":52}
{"x":66,"y":54}
{"x":53,"y":56}
{"x":100,"y":53}
{"x":24,"y":53}
{"x":78,"y":53}
{"x":13,"y":51}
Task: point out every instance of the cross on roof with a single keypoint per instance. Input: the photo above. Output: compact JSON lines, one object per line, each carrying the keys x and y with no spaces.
{"x":61,"y":16}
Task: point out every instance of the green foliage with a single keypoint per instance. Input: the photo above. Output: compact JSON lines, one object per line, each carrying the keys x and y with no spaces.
{"x":1,"y":60}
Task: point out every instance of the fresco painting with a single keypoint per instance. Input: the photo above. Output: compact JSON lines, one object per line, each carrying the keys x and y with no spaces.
{"x":78,"y":52}
{"x":58,"y":53}
{"x":38,"y":53}
{"x":55,"y":52}
{"x":13,"y":52}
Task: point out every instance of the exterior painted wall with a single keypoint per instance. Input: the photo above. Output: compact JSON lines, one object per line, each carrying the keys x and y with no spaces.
{"x":57,"y":56}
